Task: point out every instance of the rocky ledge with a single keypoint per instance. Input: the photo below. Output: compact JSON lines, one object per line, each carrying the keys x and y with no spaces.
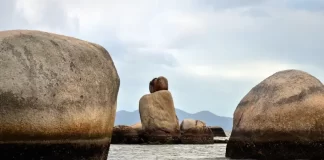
{"x":198,"y":135}
{"x":123,"y":134}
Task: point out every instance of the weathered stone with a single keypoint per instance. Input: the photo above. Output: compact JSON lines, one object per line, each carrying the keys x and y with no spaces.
{"x":158,"y":117}
{"x":125,"y":135}
{"x":197,"y":135}
{"x":158,"y":84}
{"x":58,"y":97}
{"x":159,"y":136}
{"x":281,"y":117}
{"x":191,"y":123}
{"x":151,"y":86}
{"x":217,"y":131}
{"x":195,"y":132}
{"x":137,"y":126}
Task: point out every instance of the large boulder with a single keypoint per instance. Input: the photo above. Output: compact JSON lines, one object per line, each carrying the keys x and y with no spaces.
{"x":191,"y":123}
{"x":125,"y":135}
{"x":217,"y":131}
{"x":58,"y":97}
{"x":158,"y":84}
{"x":158,"y":117}
{"x":281,"y":117}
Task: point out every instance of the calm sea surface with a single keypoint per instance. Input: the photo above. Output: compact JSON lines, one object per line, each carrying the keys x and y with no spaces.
{"x":168,"y":152}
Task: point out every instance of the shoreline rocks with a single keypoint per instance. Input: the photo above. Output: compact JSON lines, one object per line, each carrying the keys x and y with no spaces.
{"x":221,"y":139}
{"x":159,"y":122}
{"x":158,"y":118}
{"x":123,"y":134}
{"x":197,"y":135}
{"x":160,"y":136}
{"x":137,"y":126}
{"x":191,"y":123}
{"x":195,"y":132}
{"x":217,"y":131}
{"x":134,"y":135}
{"x":280,"y":118}
{"x":50,"y":104}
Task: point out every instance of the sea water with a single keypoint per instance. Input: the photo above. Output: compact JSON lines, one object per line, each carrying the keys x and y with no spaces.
{"x":156,"y":152}
{"x":167,"y":152}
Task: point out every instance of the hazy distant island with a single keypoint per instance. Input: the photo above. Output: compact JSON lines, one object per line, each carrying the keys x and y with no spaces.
{"x":128,"y":118}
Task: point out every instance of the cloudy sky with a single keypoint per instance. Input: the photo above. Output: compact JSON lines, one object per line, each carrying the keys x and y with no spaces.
{"x":212,"y":51}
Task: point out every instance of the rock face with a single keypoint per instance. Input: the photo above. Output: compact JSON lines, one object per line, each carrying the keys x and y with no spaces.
{"x":125,"y":135}
{"x":197,"y":135}
{"x":217,"y":131}
{"x":58,"y":92}
{"x":282,"y":117}
{"x":151,"y":87}
{"x":158,"y":84}
{"x":137,"y":126}
{"x":195,"y":132}
{"x":191,"y":123}
{"x":158,"y":117}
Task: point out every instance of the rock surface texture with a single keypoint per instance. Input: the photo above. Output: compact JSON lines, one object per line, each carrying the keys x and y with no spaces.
{"x":125,"y":135}
{"x":281,"y":117}
{"x":195,"y":132}
{"x":191,"y":123}
{"x":158,"y":84}
{"x":58,"y":97}
{"x":197,"y":135}
{"x":158,"y":117}
{"x":137,"y":126}
{"x":217,"y":131}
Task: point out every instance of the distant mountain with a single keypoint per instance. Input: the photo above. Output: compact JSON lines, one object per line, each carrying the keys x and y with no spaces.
{"x":129,"y":118}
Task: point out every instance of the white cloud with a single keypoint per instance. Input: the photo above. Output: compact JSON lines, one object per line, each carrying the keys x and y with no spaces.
{"x":254,"y":71}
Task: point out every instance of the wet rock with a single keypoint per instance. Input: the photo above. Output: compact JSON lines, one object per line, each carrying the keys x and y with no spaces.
{"x":280,"y":118}
{"x":221,"y":139}
{"x":58,"y":97}
{"x":195,"y":132}
{"x":197,"y":135}
{"x":125,"y":135}
{"x":217,"y":131}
